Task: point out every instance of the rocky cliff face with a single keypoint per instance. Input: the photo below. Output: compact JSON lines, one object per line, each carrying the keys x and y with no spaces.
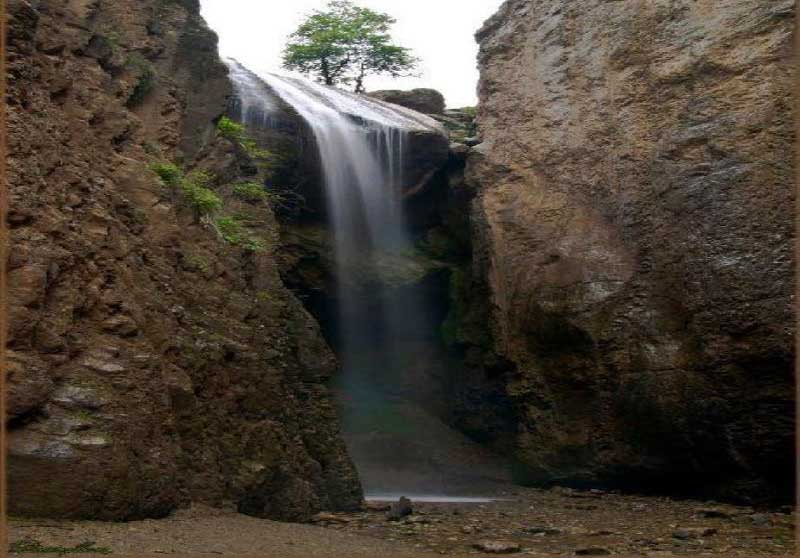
{"x":150,"y":362}
{"x":427,"y":101}
{"x":635,"y":217}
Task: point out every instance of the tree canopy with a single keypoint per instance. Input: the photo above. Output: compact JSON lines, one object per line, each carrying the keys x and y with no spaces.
{"x":344,"y":43}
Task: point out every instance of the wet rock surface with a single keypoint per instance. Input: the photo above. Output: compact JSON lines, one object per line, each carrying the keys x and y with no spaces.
{"x":634,"y":225}
{"x":539,"y":523}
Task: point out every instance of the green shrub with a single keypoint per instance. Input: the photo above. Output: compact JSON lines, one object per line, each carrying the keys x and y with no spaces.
{"x":200,"y":198}
{"x":230,"y":129}
{"x":145,"y":78}
{"x":250,"y":191}
{"x":193,"y":186}
{"x":254,"y":244}
{"x":254,"y":152}
{"x":233,"y":232}
{"x":169,"y":173}
{"x":236,"y":133}
{"x":198,"y":179}
{"x":231,"y":229}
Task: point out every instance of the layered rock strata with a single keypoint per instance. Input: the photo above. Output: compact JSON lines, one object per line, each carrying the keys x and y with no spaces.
{"x":151,"y":363}
{"x":635,"y":212}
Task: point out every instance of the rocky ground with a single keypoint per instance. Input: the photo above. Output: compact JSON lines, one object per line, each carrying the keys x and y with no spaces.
{"x":528,"y":522}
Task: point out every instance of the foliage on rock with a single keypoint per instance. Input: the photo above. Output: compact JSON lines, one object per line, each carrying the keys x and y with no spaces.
{"x":194,"y":188}
{"x":236,"y":133}
{"x":234,"y":232}
{"x":145,"y":76}
{"x":250,"y":192}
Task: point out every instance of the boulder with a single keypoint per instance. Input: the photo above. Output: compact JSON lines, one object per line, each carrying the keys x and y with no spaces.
{"x":427,"y":101}
{"x":399,"y":509}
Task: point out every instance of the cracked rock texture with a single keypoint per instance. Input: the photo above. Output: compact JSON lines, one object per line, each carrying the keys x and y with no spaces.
{"x":635,"y":217}
{"x":150,"y":363}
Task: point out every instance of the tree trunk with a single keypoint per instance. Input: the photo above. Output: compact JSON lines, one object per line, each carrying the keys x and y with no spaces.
{"x":360,"y":81}
{"x":326,"y":72}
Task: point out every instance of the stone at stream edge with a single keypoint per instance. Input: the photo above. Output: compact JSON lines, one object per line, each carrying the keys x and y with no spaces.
{"x":399,"y":509}
{"x":693,"y":532}
{"x":497,"y":547}
{"x":713,"y":513}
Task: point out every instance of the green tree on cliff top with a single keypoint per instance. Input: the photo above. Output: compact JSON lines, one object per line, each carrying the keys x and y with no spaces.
{"x":344,"y":43}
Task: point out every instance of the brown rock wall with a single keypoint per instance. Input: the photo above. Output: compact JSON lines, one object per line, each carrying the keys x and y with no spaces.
{"x":636,"y":209}
{"x":151,"y":363}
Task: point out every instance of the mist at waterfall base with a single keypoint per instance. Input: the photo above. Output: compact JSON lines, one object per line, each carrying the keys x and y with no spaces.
{"x":386,"y":330}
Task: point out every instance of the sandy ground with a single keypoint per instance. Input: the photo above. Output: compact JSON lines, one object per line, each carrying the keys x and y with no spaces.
{"x":552,"y":523}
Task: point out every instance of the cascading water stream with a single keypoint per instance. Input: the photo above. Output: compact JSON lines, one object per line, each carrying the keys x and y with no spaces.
{"x":362,"y":147}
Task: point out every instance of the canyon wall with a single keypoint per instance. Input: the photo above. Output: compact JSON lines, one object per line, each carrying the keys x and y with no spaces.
{"x":634,"y":223}
{"x":150,"y":362}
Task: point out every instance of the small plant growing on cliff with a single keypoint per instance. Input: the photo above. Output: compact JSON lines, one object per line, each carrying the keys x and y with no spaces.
{"x":145,"y":78}
{"x":231,"y":229}
{"x":236,"y":133}
{"x":250,"y":192}
{"x":230,"y":130}
{"x":233,"y":232}
{"x":194,"y":187}
{"x":345,"y":43}
{"x":200,"y":198}
{"x":170,"y":174}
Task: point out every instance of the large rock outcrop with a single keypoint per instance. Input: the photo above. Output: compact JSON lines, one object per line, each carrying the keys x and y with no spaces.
{"x":150,"y":363}
{"x":427,"y":101}
{"x":634,"y":223}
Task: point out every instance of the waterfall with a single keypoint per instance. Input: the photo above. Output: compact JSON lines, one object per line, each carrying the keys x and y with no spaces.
{"x":363,"y":147}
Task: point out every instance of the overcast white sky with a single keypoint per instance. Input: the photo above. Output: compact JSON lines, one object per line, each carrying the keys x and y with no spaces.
{"x":440,"y":32}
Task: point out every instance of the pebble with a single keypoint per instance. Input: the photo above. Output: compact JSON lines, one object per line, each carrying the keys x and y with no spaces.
{"x":592,"y":551}
{"x":760,"y":519}
{"x":543,"y":530}
{"x":693,"y":533}
{"x":497,"y":547}
{"x":713,"y":513}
